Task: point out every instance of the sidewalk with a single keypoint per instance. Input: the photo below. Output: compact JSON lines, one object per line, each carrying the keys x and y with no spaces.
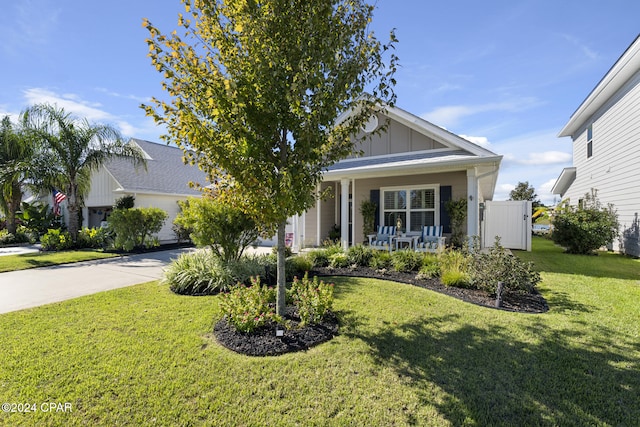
{"x":38,"y":286}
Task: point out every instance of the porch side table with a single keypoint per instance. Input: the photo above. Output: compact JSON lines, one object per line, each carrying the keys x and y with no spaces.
{"x":404,"y":239}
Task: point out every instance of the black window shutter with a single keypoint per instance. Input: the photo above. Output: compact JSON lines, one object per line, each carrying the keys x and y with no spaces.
{"x":374,"y":196}
{"x":445,"y":196}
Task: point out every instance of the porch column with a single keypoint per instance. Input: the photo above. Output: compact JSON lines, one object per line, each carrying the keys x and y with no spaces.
{"x":318,"y":216}
{"x":344,"y":213}
{"x":473,"y":204}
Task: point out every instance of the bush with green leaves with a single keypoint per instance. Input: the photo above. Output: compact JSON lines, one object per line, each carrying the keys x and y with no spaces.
{"x":455,"y":268}
{"x":95,"y":238}
{"x":226,"y":229}
{"x":21,"y":236}
{"x":359,"y":255}
{"x":125,"y":202}
{"x":37,"y":217}
{"x":56,"y":240}
{"x":313,"y":298}
{"x":587,"y":227}
{"x":203,"y":273}
{"x":339,"y":260}
{"x":498,"y":265}
{"x":430,"y":267}
{"x":318,"y":257}
{"x":406,"y":261}
{"x":135,"y":228}
{"x":249,"y":307}
{"x":381,"y":260}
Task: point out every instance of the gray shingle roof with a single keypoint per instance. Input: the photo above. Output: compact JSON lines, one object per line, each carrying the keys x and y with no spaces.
{"x":422,"y":157}
{"x":166,"y":173}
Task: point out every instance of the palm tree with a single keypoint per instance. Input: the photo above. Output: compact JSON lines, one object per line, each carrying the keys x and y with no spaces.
{"x":16,"y":167}
{"x":75,"y":148}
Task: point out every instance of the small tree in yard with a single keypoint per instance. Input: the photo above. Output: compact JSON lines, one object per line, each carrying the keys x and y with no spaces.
{"x":224,"y":228}
{"x":257,"y":95}
{"x":584,"y":228}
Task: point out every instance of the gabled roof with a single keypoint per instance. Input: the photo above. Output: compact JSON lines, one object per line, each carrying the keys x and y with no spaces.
{"x":624,"y":68}
{"x":460,"y":154}
{"x":166,"y":172}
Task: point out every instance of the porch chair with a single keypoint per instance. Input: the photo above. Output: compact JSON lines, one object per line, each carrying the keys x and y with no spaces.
{"x":431,"y":239}
{"x":383,"y":239}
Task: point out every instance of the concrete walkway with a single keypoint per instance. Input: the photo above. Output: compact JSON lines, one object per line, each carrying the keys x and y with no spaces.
{"x":38,"y":286}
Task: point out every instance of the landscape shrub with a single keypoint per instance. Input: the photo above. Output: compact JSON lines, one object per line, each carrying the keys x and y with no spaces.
{"x":430,"y":267}
{"x":300,"y":264}
{"x":249,"y":307}
{"x":313,"y":298}
{"x":21,"y":236}
{"x":381,"y":260}
{"x":458,"y":279}
{"x":499,"y":266}
{"x":318,"y":257}
{"x":455,"y":267}
{"x":338,"y":260}
{"x":406,"y":260}
{"x":95,"y":238}
{"x":203,"y":273}
{"x":56,"y":240}
{"x":226,"y":229}
{"x":587,"y":227}
{"x":37,"y":217}
{"x":134,"y":228}
{"x":359,"y":255}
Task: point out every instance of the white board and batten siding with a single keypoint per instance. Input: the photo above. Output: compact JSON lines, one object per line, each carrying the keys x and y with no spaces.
{"x":511,"y":221}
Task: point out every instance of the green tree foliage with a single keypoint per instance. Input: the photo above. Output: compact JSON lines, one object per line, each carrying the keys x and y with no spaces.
{"x":16,"y":168}
{"x":256,"y":92}
{"x":368,"y":212}
{"x":226,"y":229}
{"x":74,"y":149}
{"x":585,"y":228}
{"x":125,"y":202}
{"x":37,"y":217}
{"x":457,"y":210}
{"x":134,"y":228}
{"x":526,"y":192}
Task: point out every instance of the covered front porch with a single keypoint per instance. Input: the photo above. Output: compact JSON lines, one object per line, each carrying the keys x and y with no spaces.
{"x":416,"y":193}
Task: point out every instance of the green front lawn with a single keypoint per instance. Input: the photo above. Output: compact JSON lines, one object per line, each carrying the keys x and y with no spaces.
{"x":46,"y":259}
{"x":405,"y":356}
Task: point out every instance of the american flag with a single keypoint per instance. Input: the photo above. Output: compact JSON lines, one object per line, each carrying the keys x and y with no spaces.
{"x":58,"y":197}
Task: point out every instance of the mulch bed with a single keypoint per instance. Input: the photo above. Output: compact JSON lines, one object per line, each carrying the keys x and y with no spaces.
{"x":263,"y":342}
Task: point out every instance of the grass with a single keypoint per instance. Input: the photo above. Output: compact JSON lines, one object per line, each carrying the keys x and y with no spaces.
{"x":45,"y":259}
{"x":405,"y":356}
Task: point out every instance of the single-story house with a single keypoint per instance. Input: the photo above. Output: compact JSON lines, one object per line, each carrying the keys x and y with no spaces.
{"x":164,"y":182}
{"x":605,"y":130}
{"x":410,"y":171}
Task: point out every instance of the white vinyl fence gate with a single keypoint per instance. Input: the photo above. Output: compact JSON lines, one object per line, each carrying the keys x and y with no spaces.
{"x":511,"y":221}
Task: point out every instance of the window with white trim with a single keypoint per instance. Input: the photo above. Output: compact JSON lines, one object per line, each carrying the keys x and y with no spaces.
{"x":415,"y":206}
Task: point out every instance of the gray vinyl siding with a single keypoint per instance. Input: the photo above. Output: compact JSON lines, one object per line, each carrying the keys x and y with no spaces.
{"x":614,"y":167}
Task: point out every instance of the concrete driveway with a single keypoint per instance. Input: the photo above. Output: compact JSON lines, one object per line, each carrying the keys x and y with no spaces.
{"x":39,"y":286}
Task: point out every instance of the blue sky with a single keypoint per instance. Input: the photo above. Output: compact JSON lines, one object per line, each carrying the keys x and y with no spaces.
{"x":505,"y":74}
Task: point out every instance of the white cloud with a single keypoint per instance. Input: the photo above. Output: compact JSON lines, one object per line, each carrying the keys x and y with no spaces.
{"x":586,"y":50}
{"x":75,"y":104}
{"x":482,"y":141}
{"x":540,"y":158}
{"x":450,"y":115}
{"x":124,"y":96}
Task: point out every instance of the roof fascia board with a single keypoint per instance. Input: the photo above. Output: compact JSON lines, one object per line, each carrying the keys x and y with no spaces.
{"x":623,"y":69}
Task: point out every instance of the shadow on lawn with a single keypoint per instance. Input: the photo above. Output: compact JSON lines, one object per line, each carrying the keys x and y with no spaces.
{"x":490,"y":379}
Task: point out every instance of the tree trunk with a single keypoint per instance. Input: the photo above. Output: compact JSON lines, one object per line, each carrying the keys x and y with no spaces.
{"x":72,"y":210}
{"x":281,"y":301}
{"x":13,"y":205}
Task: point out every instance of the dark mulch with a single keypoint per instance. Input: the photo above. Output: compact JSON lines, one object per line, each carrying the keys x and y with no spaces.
{"x":511,"y":301}
{"x":263,"y":342}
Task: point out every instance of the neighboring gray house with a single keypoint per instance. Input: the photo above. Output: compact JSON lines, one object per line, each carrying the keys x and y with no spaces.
{"x":605,"y":130}
{"x":162,"y":185}
{"x":410,"y":172}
